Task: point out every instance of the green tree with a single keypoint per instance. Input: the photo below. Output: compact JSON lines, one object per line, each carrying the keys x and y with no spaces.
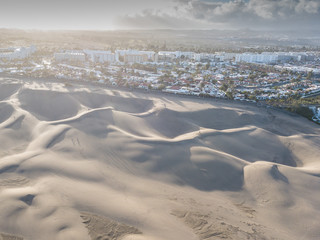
{"x":224,"y":87}
{"x":207,"y":66}
{"x":252,"y":97}
{"x":309,"y":75}
{"x":161,"y":87}
{"x":230,"y":95}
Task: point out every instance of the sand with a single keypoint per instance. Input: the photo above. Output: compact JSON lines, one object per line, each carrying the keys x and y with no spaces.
{"x":83,"y":162}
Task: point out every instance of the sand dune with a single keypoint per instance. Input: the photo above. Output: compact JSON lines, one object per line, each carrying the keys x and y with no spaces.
{"x":8,"y":89}
{"x":89,"y":163}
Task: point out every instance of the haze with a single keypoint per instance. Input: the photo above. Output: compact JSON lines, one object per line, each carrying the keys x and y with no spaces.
{"x":159,"y":119}
{"x":168,"y":14}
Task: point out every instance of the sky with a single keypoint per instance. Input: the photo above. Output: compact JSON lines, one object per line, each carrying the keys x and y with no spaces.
{"x":160,"y":14}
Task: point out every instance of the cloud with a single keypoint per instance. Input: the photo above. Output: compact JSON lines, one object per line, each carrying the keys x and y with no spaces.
{"x":283,"y":9}
{"x":230,"y":14}
{"x":306,"y":6}
{"x":156,"y":19}
{"x":149,"y":19}
{"x":263,"y":9}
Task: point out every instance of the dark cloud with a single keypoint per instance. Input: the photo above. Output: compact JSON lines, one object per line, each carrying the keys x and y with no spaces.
{"x":181,"y":14}
{"x":262,"y":14}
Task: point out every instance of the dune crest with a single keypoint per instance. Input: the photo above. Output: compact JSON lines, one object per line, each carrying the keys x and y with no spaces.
{"x":89,"y":163}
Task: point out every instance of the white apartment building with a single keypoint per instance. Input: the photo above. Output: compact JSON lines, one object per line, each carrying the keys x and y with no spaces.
{"x":229,"y":56}
{"x":296,"y":56}
{"x":188,"y":55}
{"x":100,"y":56}
{"x":146,"y":55}
{"x":121,"y":53}
{"x":135,"y":58}
{"x":70,"y":56}
{"x":202,"y":56}
{"x":166,"y":55}
{"x":257,"y":58}
{"x":273,"y":57}
{"x":177,"y":54}
{"x":16,"y":53}
{"x":197,"y":57}
{"x":151,"y":55}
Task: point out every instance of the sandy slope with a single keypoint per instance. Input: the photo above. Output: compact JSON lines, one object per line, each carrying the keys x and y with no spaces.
{"x":86,"y":163}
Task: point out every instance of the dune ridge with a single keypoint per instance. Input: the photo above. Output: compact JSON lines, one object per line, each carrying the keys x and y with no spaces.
{"x":89,"y":163}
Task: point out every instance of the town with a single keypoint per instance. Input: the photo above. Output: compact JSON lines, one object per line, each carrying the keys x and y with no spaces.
{"x":289,"y":80}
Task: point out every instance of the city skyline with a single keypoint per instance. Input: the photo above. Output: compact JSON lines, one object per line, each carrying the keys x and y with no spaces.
{"x":168,"y":14}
